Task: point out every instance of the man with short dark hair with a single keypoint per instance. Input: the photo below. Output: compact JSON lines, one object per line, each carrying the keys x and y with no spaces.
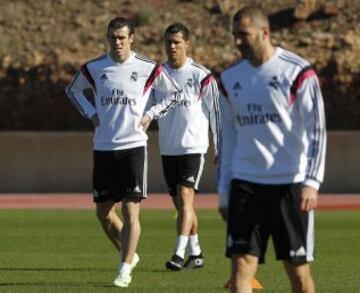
{"x":272,"y":154}
{"x":184,"y":140}
{"x":121,"y":81}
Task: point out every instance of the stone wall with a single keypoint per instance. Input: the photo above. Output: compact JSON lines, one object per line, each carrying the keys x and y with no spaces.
{"x":62,"y":162}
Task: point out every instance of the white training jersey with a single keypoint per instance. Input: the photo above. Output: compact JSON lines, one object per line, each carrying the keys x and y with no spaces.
{"x":121,"y":93}
{"x":186,"y":129}
{"x":273,"y":123}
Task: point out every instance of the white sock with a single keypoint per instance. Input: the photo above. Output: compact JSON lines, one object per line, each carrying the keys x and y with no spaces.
{"x":125,"y":267}
{"x":194,"y":245}
{"x":181,"y":243}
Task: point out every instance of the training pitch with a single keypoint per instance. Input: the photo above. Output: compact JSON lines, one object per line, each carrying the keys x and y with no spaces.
{"x":64,"y":250}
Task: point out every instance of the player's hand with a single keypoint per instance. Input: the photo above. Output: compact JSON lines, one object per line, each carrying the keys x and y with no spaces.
{"x":145,"y":122}
{"x":309,"y":198}
{"x":95,"y":120}
{"x":223,"y":213}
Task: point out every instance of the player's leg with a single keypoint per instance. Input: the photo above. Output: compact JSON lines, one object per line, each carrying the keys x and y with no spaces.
{"x":293,"y":238}
{"x":103,"y":196}
{"x":188,"y":229}
{"x":171,"y":170}
{"x":243,"y":271}
{"x":195,"y":225}
{"x":132,"y":169}
{"x":247,"y":234}
{"x":175,"y":202}
{"x":129,"y":238}
{"x":110,"y":222}
{"x":188,"y":171}
{"x":193,"y":244}
{"x":131,"y":229}
{"x":300,"y":277}
{"x":185,"y":199}
{"x":195,"y":259}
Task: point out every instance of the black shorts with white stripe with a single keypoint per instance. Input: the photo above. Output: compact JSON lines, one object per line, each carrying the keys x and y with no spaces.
{"x":120,"y":174}
{"x":258,"y":211}
{"x":182,"y":170}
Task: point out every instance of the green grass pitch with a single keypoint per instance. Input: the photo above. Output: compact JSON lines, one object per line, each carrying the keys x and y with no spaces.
{"x":66,"y":251}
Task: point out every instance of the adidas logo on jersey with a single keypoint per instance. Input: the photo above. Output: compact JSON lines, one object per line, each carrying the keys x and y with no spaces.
{"x":103,"y":78}
{"x":190,"y":179}
{"x":237,"y":86}
{"x":274,"y":82}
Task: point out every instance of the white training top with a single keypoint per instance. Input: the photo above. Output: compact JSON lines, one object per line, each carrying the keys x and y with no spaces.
{"x":121,"y":93}
{"x":185,"y":130}
{"x":273,"y":123}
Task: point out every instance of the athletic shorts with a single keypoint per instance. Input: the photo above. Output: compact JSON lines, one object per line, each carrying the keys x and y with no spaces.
{"x":120,"y":174}
{"x":182,"y":170}
{"x":258,"y":211}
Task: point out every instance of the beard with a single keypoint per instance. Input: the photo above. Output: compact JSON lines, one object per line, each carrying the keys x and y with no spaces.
{"x":245,"y":52}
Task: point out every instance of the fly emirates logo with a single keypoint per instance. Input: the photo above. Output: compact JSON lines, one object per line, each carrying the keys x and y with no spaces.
{"x":117,"y":98}
{"x":257,"y":116}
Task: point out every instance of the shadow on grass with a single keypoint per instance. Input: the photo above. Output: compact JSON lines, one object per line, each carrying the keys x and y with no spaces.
{"x":58,"y":269}
{"x":57,"y":284}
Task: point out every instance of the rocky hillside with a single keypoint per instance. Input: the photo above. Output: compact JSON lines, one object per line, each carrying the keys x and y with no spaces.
{"x":44,"y":42}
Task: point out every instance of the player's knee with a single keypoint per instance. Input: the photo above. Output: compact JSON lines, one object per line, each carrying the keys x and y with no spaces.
{"x":187,"y":209}
{"x":301,"y":278}
{"x":103,"y":216}
{"x":244,"y":266}
{"x":132,"y":220}
{"x":185,"y":199}
{"x":301,"y":282}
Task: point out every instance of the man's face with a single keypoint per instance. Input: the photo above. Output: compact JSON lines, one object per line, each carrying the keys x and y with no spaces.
{"x":120,"y":43}
{"x":175,"y":46}
{"x":248,"y":38}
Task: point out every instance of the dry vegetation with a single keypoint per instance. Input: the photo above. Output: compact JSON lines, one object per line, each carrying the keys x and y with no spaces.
{"x":44,"y":42}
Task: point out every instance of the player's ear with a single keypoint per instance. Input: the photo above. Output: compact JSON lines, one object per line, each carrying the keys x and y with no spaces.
{"x":266,"y":31}
{"x":187,"y":44}
{"x":131,"y":38}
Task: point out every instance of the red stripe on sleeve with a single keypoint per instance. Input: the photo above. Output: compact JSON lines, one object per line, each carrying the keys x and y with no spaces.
{"x":85,"y":71}
{"x":208,"y":79}
{"x":307,"y":73}
{"x":154,"y":74}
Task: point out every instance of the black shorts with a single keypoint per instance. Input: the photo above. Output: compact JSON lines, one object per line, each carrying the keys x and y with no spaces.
{"x":258,"y":211}
{"x":119,"y":174}
{"x":182,"y":170}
